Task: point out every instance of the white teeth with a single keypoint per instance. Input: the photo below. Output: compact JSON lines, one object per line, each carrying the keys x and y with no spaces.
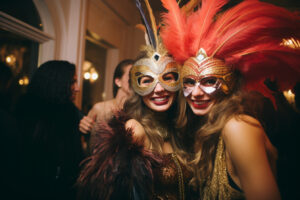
{"x":160,"y":99}
{"x":200,"y":102}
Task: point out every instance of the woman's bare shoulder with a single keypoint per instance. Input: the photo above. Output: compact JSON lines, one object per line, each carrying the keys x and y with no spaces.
{"x":103,"y":105}
{"x":101,"y":108}
{"x":245,"y":144}
{"x":243,"y":130}
{"x":242,"y":123}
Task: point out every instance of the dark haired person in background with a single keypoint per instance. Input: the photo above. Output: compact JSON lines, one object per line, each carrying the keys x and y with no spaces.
{"x":8,"y":134}
{"x":6,"y":77}
{"x":103,"y":111}
{"x":50,"y":147}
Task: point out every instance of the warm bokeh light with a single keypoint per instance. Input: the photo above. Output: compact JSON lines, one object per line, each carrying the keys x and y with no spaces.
{"x":21,"y":82}
{"x":24,"y":80}
{"x":94,"y":76}
{"x":291,"y":42}
{"x":103,"y":95}
{"x":90,"y":73}
{"x":86,"y":65}
{"x":10,"y":59}
{"x":290,"y":96}
{"x":87,"y":75}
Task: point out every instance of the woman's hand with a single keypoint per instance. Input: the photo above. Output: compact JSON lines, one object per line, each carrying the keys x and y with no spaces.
{"x":86,"y":124}
{"x":138,"y":130}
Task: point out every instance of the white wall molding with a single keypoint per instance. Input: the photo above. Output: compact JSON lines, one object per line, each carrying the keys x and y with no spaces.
{"x":16,"y":26}
{"x":47,"y":49}
{"x":76,"y":39}
{"x":112,"y":58}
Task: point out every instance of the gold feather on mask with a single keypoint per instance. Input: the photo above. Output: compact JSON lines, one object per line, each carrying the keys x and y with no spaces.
{"x":141,"y":27}
{"x":153,"y":22}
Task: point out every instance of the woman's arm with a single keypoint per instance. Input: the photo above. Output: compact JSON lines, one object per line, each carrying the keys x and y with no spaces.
{"x":87,"y":122}
{"x":245,"y":142}
{"x":138,"y":132}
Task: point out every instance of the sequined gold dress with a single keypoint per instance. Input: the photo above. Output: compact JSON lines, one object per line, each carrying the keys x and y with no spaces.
{"x":218,"y":187}
{"x":171,"y":180}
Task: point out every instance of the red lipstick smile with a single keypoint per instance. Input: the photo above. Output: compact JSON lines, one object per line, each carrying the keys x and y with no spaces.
{"x":160,"y":100}
{"x":201,"y":104}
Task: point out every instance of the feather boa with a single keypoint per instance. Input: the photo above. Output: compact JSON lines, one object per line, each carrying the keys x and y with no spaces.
{"x":119,"y":167}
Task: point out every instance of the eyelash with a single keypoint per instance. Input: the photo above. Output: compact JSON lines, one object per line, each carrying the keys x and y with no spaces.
{"x":146,"y":81}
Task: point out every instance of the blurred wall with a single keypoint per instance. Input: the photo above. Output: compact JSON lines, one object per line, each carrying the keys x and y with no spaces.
{"x":111,"y":21}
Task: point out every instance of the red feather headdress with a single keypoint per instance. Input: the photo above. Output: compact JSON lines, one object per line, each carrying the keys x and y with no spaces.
{"x":247,"y":37}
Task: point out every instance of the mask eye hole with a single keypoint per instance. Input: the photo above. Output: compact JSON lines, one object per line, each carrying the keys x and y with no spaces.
{"x":209,"y":81}
{"x":145,"y":81}
{"x":170,"y":77}
{"x":189,"y":82}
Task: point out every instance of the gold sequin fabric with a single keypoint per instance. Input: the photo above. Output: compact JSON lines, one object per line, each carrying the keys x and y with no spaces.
{"x":218,"y":186}
{"x":166,"y":182}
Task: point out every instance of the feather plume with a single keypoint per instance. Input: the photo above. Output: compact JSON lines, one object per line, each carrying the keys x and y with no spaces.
{"x":200,"y":22}
{"x":264,"y":25}
{"x":249,"y":21}
{"x":233,"y":15}
{"x":173,"y":32}
{"x":152,"y":18}
{"x":141,"y":27}
{"x":148,"y":27}
{"x":279,"y":65}
{"x":248,"y":37}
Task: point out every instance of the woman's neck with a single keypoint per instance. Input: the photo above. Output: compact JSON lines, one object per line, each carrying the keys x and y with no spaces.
{"x":120,"y":98}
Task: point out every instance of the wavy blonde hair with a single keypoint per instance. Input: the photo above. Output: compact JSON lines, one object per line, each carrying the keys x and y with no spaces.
{"x":159,"y":126}
{"x":207,"y":129}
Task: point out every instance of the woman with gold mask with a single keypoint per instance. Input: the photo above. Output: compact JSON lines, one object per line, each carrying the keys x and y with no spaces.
{"x":138,"y":155}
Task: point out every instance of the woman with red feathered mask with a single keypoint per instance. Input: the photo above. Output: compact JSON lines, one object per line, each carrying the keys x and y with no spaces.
{"x":225,"y":55}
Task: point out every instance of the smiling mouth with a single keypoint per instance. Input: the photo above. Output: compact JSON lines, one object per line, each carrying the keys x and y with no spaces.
{"x":160,"y":100}
{"x":201,"y":104}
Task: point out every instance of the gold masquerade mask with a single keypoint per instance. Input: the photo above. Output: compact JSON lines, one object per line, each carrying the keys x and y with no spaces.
{"x":210,"y":74}
{"x":147,"y":72}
